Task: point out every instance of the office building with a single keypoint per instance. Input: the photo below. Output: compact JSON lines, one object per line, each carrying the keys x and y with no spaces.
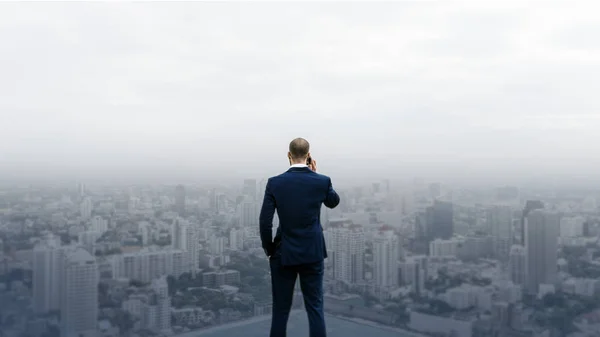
{"x":413,"y":273}
{"x":444,"y":248}
{"x":47,"y":275}
{"x":162,"y":304}
{"x":541,"y":241}
{"x":385,"y":258}
{"x":530,"y":205}
{"x":249,"y":189}
{"x":345,"y":242}
{"x":185,"y":237}
{"x":248,"y":213}
{"x":236,"y":239}
{"x":500,"y":221}
{"x":439,"y":220}
{"x":180,"y":200}
{"x":99,"y":224}
{"x":86,"y":208}
{"x":79,"y":305}
{"x":150,"y":263}
{"x":517,"y":268}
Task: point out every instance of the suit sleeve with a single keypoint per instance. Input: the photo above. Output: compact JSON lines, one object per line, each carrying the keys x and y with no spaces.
{"x":266,"y":219}
{"x":332,"y":199}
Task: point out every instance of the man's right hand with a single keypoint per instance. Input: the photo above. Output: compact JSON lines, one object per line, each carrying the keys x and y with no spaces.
{"x":313,"y":165}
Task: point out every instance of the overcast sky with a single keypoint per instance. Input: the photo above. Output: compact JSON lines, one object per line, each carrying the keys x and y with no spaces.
{"x":439,"y":88}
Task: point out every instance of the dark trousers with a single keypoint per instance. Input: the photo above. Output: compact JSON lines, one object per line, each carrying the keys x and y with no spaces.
{"x":283,"y":281}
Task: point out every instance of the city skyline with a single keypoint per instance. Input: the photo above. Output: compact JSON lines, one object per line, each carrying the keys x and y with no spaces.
{"x":144,"y":160}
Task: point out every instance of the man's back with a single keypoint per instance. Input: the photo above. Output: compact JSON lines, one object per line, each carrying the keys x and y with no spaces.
{"x":297,"y":195}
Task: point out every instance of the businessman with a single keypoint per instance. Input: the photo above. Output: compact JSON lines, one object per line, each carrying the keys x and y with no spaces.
{"x":298,"y":248}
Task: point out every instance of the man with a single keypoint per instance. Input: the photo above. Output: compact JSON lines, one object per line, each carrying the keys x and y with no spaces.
{"x":299,"y":244}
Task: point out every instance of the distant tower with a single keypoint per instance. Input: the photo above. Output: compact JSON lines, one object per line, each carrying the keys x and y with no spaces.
{"x":530,"y":205}
{"x":145,"y":231}
{"x":517,"y":264}
{"x":440,"y":220}
{"x":86,"y":208}
{"x":499,"y":220}
{"x":180,"y":200}
{"x":236,"y":239}
{"x":385,"y":258}
{"x":248,"y":213}
{"x":346,"y":242}
{"x":541,"y":236}
{"x":81,"y":190}
{"x":163,"y":304}
{"x":413,"y":272}
{"x":262,"y":184}
{"x":47,"y":275}
{"x":249,"y":189}
{"x":186,"y":237}
{"x":79,"y":305}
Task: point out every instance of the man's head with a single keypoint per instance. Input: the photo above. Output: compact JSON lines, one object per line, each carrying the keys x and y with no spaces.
{"x":299,"y":151}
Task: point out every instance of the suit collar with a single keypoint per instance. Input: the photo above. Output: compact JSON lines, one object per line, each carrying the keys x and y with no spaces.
{"x":299,"y":169}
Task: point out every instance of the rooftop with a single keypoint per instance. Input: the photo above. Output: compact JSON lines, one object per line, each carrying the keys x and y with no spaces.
{"x":297,"y":327}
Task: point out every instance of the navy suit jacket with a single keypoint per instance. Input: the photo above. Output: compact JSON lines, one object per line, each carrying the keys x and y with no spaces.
{"x":297,"y":196}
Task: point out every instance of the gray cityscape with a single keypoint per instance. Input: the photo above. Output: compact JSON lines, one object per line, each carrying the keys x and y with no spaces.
{"x":137,"y":140}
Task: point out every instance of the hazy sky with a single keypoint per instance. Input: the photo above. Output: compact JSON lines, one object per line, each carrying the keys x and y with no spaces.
{"x":429,"y":88}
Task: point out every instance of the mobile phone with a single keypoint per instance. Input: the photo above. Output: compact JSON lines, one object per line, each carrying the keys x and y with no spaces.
{"x":308,"y":161}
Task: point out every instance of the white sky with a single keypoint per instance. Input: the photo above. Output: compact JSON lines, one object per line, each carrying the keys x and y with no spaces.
{"x":474,"y":88}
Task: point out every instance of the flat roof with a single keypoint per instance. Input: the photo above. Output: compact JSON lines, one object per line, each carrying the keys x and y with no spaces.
{"x":297,"y":327}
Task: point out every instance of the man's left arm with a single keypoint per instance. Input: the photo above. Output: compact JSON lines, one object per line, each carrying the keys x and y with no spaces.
{"x":267,"y":212}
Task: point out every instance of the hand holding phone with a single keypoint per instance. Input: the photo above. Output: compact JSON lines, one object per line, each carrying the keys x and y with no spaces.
{"x":311,"y":163}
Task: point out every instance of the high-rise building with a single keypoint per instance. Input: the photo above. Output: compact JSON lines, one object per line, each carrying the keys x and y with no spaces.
{"x":248,"y":213}
{"x":212,"y":199}
{"x":220,"y":203}
{"x":260,"y":194}
{"x":530,"y":205}
{"x":413,"y":272}
{"x":185,"y":236}
{"x":385,"y":258}
{"x":81,"y":190}
{"x":88,"y":239}
{"x":517,"y":264}
{"x":440,"y":220}
{"x":162,"y":304}
{"x":145,"y":231}
{"x":47,"y":275}
{"x":500,"y":220}
{"x":541,"y":241}
{"x":236,"y":239}
{"x":571,"y":227}
{"x":249,"y":189}
{"x":86,"y":208}
{"x":346,"y":244}
{"x":444,"y":248}
{"x":99,"y":225}
{"x":217,"y":245}
{"x":180,"y":200}
{"x":79,"y":305}
{"x":150,"y":263}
